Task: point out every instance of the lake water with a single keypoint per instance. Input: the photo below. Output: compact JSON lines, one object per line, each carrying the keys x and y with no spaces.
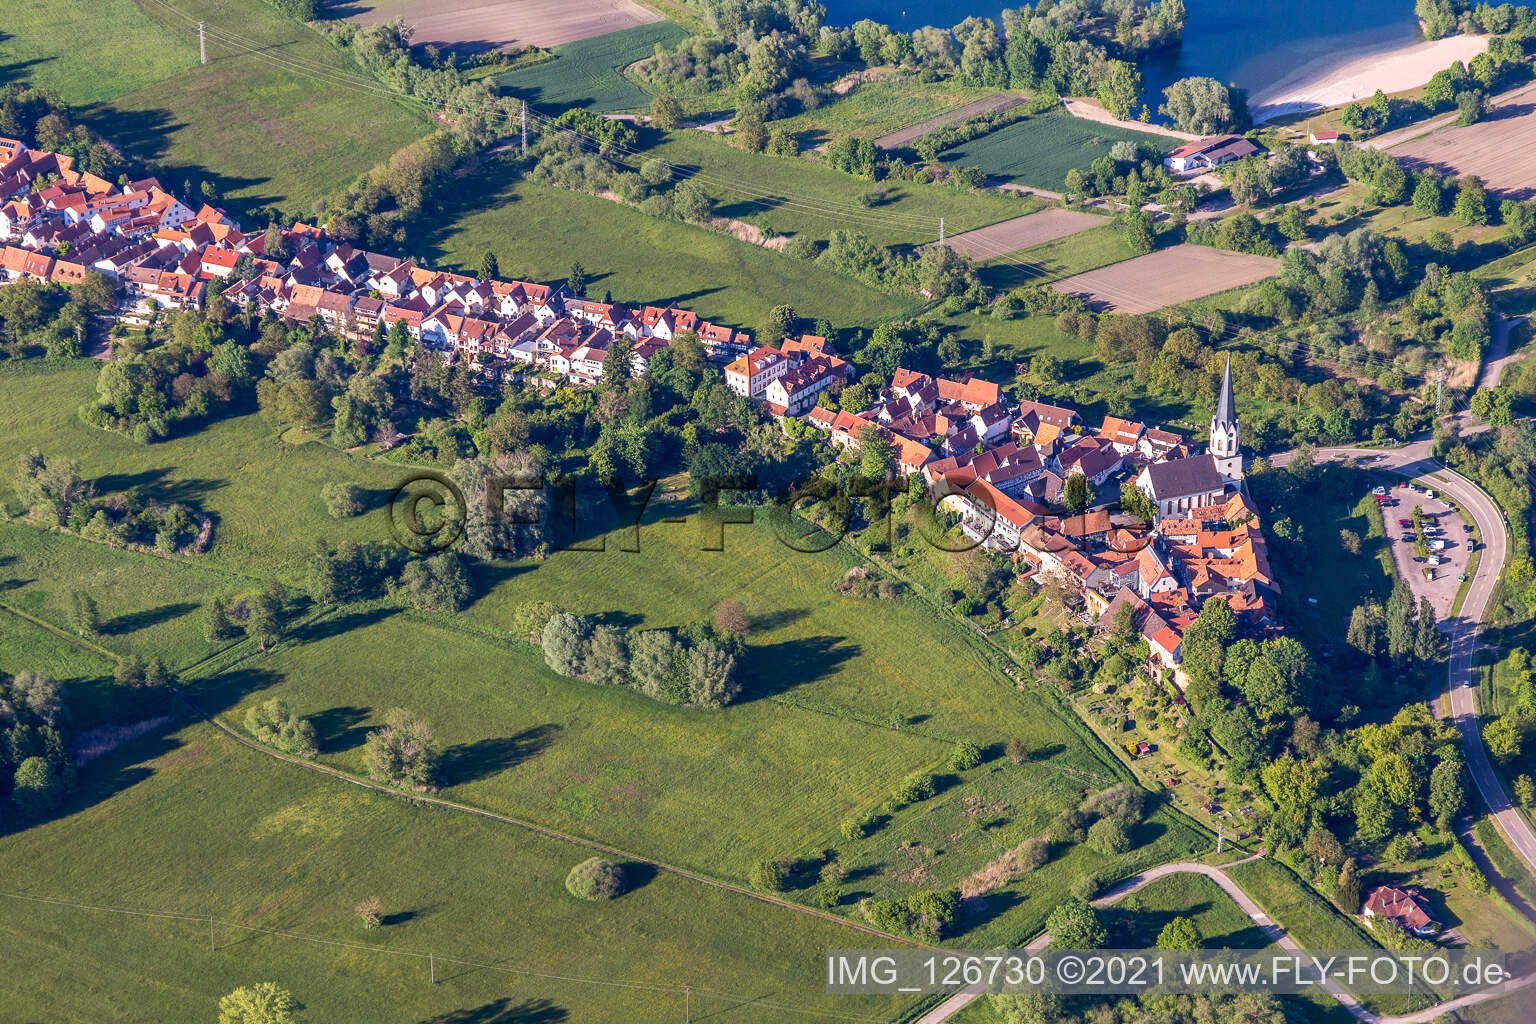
{"x":1246,"y":44}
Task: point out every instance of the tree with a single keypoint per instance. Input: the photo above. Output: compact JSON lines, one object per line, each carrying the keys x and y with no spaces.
{"x":1077,"y":494}
{"x":768,"y":875}
{"x":1525,"y":790}
{"x":576,"y":280}
{"x":731,"y":617}
{"x":84,"y":613}
{"x":1471,"y":201}
{"x":1200,"y":105}
{"x":268,"y":619}
{"x":1503,"y":737}
{"x":595,"y":879}
{"x":876,"y":453}
{"x":402,"y":751}
{"x":1134,"y":501}
{"x":1446,"y":793}
{"x":567,"y":641}
{"x":341,"y":499}
{"x":777,"y":325}
{"x":964,"y":756}
{"x":371,"y":910}
{"x":1136,"y":227}
{"x":1016,"y":750}
{"x":435,"y":584}
{"x":1291,"y":222}
{"x":275,"y":724}
{"x":711,"y":673}
{"x":1028,"y":1007}
{"x":1206,"y":642}
{"x":490,"y":267}
{"x":1470,"y":104}
{"x":1179,"y":934}
{"x":50,"y":486}
{"x":666,"y":111}
{"x":37,"y":790}
{"x":1346,"y":894}
{"x":1427,"y":196}
{"x":261,"y":1003}
{"x":1074,"y":924}
{"x":38,"y":692}
{"x":217,"y":626}
{"x":608,"y":656}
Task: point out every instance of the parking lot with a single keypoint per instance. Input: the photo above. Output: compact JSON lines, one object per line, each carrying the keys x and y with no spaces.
{"x":1441,"y":523}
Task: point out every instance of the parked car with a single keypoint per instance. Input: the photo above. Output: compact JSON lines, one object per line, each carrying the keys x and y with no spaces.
{"x":1378,"y":491}
{"x":1405,"y":523}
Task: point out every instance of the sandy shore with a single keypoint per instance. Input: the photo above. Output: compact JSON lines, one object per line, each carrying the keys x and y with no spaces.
{"x":1342,"y":77}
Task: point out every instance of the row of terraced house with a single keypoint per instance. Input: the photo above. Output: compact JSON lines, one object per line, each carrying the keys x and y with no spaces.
{"x":58,"y":224}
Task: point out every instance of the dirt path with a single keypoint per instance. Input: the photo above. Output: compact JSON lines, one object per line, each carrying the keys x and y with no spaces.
{"x":1088,"y":110}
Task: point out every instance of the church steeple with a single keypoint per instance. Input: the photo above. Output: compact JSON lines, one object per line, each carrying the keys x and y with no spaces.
{"x":1224,"y":430}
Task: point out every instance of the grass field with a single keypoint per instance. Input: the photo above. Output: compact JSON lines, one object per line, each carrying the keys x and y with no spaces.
{"x":879,"y":108}
{"x":185,"y":821}
{"x":589,"y":72}
{"x":1221,"y":922}
{"x":537,"y":230}
{"x":786,"y":196}
{"x":1040,"y":150}
{"x":1059,"y":258}
{"x":264,"y":495}
{"x":41,"y":41}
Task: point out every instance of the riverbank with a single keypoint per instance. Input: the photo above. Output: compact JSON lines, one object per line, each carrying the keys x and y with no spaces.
{"x":1355,"y":75}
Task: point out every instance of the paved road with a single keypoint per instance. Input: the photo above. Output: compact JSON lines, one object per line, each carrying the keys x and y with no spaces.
{"x":1498,"y":356}
{"x":1272,"y":931}
{"x":1414,"y":460}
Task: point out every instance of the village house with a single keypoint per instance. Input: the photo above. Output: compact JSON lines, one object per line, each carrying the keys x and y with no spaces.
{"x":1207,"y":153}
{"x":1403,"y":907}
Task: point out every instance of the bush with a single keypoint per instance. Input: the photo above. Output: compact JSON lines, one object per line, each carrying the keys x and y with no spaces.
{"x":769,"y":875}
{"x":964,"y":756}
{"x":595,"y":879}
{"x":857,"y":828}
{"x":915,"y":787}
{"x":1108,"y":836}
{"x":275,"y":725}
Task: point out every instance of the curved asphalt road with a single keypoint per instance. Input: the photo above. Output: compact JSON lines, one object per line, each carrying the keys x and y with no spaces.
{"x":1413,"y":460}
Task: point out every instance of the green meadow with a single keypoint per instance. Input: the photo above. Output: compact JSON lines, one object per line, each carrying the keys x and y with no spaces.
{"x":183,"y":821}
{"x":538,"y":230}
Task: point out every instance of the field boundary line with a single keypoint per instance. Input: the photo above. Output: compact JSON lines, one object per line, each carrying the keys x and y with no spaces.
{"x":543,"y":830}
{"x":59,"y":631}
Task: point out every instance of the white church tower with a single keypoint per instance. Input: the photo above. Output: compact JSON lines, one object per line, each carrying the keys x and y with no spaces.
{"x":1224,"y":432}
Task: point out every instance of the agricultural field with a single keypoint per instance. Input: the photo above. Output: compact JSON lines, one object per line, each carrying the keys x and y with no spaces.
{"x":879,"y":108}
{"x":472,"y":26}
{"x":537,"y":230}
{"x":781,"y":195}
{"x":1497,"y":149}
{"x":1041,"y":149}
{"x":911,"y":133}
{"x":1033,"y":229}
{"x":1166,"y":278}
{"x":185,"y":821}
{"x":1060,"y":257}
{"x":588,"y":73}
